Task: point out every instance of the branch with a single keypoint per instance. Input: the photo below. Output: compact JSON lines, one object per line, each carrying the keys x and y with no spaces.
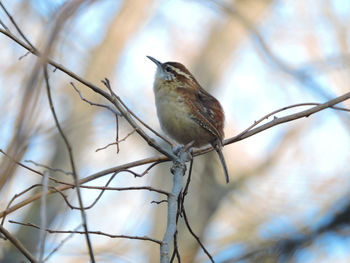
{"x":117,"y":142}
{"x":276,"y":121}
{"x":16,"y":26}
{"x":17,"y":244}
{"x":72,"y":163}
{"x":288,"y":118}
{"x":90,"y":232}
{"x":60,"y":244}
{"x":178,"y":170}
{"x":43,"y":217}
{"x":196,"y":237}
{"x":84,"y":180}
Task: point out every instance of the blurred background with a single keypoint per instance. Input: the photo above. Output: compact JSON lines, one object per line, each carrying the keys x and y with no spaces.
{"x":288,"y":200}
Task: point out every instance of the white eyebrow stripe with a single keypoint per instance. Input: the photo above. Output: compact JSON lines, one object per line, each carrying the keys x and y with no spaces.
{"x":180,"y":72}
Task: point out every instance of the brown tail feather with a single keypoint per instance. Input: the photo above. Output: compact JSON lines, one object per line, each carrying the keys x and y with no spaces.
{"x":222,"y":160}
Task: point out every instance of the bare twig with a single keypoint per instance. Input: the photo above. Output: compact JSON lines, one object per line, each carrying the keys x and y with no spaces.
{"x":72,"y":163}
{"x":131,"y":188}
{"x":107,"y":84}
{"x":176,"y":250}
{"x":276,"y":121}
{"x":8,"y":210}
{"x":116,"y":142}
{"x":49,"y":168}
{"x":4,"y":26}
{"x":90,"y":232}
{"x":288,"y":118}
{"x":84,"y":180}
{"x":117,"y":131}
{"x":127,"y":114}
{"x":94,"y":103}
{"x":17,"y":244}
{"x":63,"y":241}
{"x":23,"y":56}
{"x":196,"y":237}
{"x":16,"y":26}
{"x":286,"y":108}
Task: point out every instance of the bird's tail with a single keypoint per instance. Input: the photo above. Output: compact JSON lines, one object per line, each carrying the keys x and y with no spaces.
{"x":222,"y":160}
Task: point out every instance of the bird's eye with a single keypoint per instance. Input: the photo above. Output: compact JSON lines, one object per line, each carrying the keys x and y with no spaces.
{"x":167,"y":69}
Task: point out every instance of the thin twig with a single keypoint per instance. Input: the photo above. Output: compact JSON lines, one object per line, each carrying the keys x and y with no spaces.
{"x":131,"y":188}
{"x":4,"y":26}
{"x":72,"y":163}
{"x":188,"y":179}
{"x":51,"y":231}
{"x":49,"y":168}
{"x":117,"y":131}
{"x":286,"y":108}
{"x":127,"y":114}
{"x":16,"y":26}
{"x":84,"y":180}
{"x":288,"y":118}
{"x":26,"y":167}
{"x":23,"y":56}
{"x":276,"y":121}
{"x":196,"y":237}
{"x":63,"y":241}
{"x":176,"y":251}
{"x":94,"y":103}
{"x":8,"y":210}
{"x":116,"y":142}
{"x":107,"y":84}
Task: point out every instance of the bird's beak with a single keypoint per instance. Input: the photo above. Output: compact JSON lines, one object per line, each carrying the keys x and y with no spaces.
{"x":158,"y":63}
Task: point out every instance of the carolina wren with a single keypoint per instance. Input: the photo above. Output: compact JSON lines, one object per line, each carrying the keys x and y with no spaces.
{"x":186,"y":112}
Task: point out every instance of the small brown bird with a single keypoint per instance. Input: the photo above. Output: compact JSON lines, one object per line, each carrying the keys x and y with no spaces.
{"x":186,"y":112}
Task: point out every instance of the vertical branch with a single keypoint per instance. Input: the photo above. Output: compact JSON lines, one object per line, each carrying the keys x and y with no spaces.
{"x":43,"y":223}
{"x":74,"y":171}
{"x":178,"y":170}
{"x":117,"y":132}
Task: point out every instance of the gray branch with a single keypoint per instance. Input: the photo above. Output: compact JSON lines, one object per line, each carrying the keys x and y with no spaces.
{"x":178,"y":170}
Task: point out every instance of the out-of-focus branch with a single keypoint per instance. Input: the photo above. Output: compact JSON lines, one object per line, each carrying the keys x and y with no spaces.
{"x":72,"y":163}
{"x":301,"y":76}
{"x":17,"y":244}
{"x":43,"y":217}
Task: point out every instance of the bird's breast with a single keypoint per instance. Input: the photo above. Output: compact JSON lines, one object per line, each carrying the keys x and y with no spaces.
{"x":176,"y":119}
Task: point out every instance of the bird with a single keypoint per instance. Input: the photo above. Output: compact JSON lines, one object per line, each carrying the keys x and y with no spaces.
{"x":187,"y":113}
